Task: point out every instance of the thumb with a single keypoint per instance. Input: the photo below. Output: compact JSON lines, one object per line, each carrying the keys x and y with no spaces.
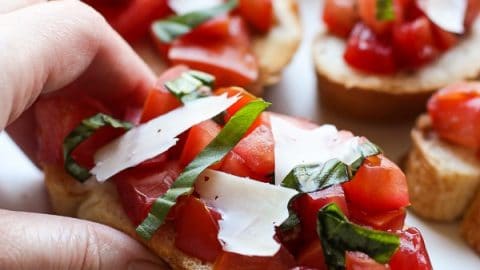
{"x":39,"y":241}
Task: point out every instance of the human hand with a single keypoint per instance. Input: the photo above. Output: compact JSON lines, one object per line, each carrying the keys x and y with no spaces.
{"x":46,"y":47}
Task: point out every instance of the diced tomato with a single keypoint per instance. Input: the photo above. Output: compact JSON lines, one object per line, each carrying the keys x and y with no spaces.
{"x":308,"y":205}
{"x":412,"y":254}
{"x":196,"y":230}
{"x":361,"y":261}
{"x":455,"y":113}
{"x":391,"y":220}
{"x":159,"y":99}
{"x":57,"y":115}
{"x":312,"y":256}
{"x":257,"y":150}
{"x":199,"y":136}
{"x":218,"y":27}
{"x":365,"y":51}
{"x":368,"y":13}
{"x":340,"y":16}
{"x":283,"y":260}
{"x":138,"y":187}
{"x":229,"y":59}
{"x":473,"y":10}
{"x":132,"y":19}
{"x":444,"y":40}
{"x":258,"y":13}
{"x":245,"y":97}
{"x":414,"y":42}
{"x":378,"y":186}
{"x":235,"y":164}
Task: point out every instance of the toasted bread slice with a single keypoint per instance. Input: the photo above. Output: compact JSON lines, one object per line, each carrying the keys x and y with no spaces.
{"x":273,"y":50}
{"x":380,"y":97}
{"x":100,"y":203}
{"x":471,"y":224}
{"x":442,"y":177}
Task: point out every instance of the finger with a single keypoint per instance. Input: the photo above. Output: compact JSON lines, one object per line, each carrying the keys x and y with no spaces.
{"x":11,"y":5}
{"x":47,"y":46}
{"x":39,"y":241}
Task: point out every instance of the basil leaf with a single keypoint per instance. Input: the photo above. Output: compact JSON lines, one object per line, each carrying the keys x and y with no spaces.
{"x":313,"y":177}
{"x":385,"y":10}
{"x":172,"y":27}
{"x":82,"y":132}
{"x":338,"y":235}
{"x":191,"y":85}
{"x":221,"y":145}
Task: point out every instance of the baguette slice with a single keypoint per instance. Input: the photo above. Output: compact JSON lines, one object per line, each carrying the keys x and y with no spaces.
{"x":471,"y":224}
{"x":274,"y":50}
{"x":381,"y":97}
{"x":100,"y":203}
{"x":442,"y":177}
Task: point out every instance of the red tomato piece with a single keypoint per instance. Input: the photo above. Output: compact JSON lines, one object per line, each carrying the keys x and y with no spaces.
{"x":312,"y":256}
{"x":361,"y":261}
{"x":258,"y":13}
{"x":473,"y":9}
{"x":229,"y":59}
{"x":455,"y":113}
{"x":378,"y":186}
{"x":235,"y":164}
{"x":132,"y":19}
{"x":308,"y":205}
{"x":159,"y":99}
{"x":56,"y":116}
{"x":412,"y":254}
{"x":444,"y":40}
{"x":366,"y":52}
{"x":257,"y":150}
{"x":391,"y":220}
{"x":138,"y":187}
{"x":218,"y":27}
{"x":414,"y":42}
{"x":340,"y":16}
{"x":368,"y":13}
{"x":199,"y":136}
{"x":196,"y":230}
{"x":245,"y":97}
{"x":283,"y":260}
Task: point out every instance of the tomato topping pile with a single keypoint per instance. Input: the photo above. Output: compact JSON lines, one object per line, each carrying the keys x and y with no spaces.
{"x":376,"y":197}
{"x":408,"y":41}
{"x":220,"y":46}
{"x":455,"y":113}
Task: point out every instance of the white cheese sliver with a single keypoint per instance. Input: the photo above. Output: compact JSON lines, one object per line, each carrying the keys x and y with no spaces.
{"x":446,"y":14}
{"x":250,"y":211}
{"x":185,"y":6}
{"x":296,"y":146}
{"x":156,"y":136}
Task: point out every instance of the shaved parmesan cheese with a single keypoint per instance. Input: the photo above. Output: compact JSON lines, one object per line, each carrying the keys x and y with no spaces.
{"x":296,"y":146}
{"x":446,"y":14}
{"x":156,"y":136}
{"x":185,"y":6}
{"x":250,"y":211}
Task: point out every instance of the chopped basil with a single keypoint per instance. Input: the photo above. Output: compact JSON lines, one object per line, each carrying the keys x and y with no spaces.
{"x":225,"y":141}
{"x":82,"y":132}
{"x":191,"y":85}
{"x":172,"y":27}
{"x":338,"y":235}
{"x":385,"y":10}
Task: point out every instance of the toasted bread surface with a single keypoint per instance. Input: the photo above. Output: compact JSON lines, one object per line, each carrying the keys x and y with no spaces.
{"x":393,"y":96}
{"x":442,"y":177}
{"x":100,"y":203}
{"x":273,"y":50}
{"x":471,"y":224}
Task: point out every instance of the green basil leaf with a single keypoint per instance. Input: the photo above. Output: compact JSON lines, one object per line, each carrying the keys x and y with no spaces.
{"x":385,"y":10}
{"x":191,"y":85}
{"x":174,"y":26}
{"x":82,"y":132}
{"x":338,"y":235}
{"x":221,"y":145}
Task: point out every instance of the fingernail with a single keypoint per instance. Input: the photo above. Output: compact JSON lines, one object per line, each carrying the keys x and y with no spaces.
{"x":146,"y":265}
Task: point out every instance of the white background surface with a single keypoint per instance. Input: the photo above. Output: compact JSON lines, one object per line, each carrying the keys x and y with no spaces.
{"x":21,"y":186}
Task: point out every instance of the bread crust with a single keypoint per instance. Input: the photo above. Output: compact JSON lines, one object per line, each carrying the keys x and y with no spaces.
{"x":273,"y":50}
{"x":471,"y":224}
{"x":395,"y":96}
{"x":100,"y":203}
{"x":442,"y":177}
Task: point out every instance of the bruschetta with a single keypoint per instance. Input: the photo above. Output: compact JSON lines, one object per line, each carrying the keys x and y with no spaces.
{"x":383,"y":59}
{"x":443,"y":168}
{"x":243,"y":42}
{"x":209,"y":180}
